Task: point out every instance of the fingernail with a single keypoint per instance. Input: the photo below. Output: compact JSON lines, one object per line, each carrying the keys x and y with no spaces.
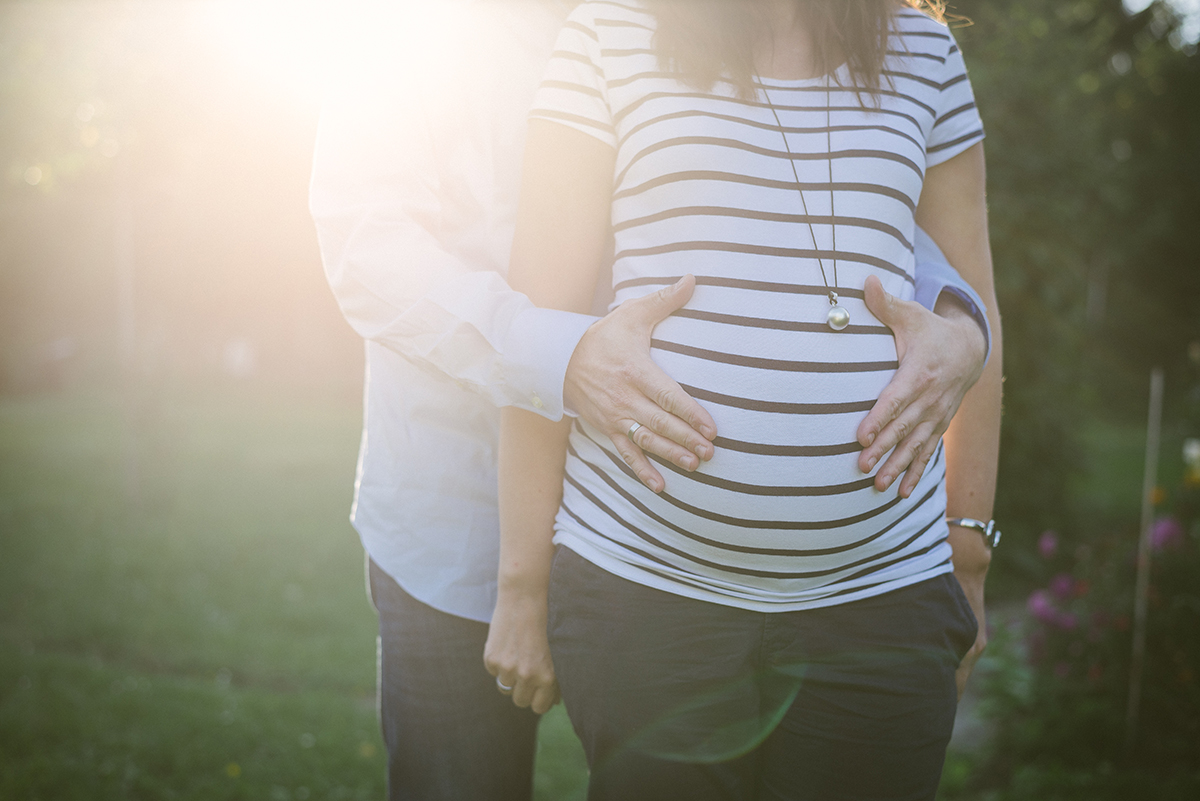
{"x":871,"y":463}
{"x":870,"y":438}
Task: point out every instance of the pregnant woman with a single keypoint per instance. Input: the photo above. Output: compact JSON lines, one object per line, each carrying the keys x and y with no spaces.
{"x":771,"y":625}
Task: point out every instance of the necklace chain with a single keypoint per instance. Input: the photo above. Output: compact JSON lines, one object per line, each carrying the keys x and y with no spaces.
{"x":833,"y":295}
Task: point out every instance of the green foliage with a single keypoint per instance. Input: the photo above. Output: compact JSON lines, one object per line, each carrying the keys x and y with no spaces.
{"x":1093,"y":122}
{"x":1056,"y":679}
{"x":182,"y":608}
{"x":1091,"y":161}
{"x":1059,"y":688}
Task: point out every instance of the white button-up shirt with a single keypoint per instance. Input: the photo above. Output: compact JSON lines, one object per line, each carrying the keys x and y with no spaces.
{"x":414,"y":193}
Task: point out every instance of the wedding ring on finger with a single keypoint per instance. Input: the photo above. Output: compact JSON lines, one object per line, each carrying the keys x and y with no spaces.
{"x":502,"y":687}
{"x":633,"y":429}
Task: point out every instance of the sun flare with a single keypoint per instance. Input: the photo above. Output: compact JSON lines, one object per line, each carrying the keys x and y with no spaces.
{"x":299,"y":46}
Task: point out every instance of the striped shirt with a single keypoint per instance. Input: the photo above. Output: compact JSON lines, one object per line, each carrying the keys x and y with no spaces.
{"x":781,"y":518}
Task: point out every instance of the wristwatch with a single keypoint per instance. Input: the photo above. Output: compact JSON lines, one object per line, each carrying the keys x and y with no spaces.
{"x":991,"y":534}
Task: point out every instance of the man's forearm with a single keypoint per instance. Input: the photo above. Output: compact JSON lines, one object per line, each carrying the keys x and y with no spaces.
{"x":938,"y":286}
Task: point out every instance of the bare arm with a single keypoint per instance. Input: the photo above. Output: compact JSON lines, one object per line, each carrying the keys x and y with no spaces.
{"x":560,"y":244}
{"x":953,"y":209}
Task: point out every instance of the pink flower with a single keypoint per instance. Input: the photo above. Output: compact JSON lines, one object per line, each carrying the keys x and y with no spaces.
{"x":1066,"y":621}
{"x":1166,"y":533}
{"x":1062,"y":586}
{"x":1048,"y":543}
{"x":1041,"y":606}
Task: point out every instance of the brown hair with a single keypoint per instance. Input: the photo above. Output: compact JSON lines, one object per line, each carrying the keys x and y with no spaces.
{"x":707,"y":39}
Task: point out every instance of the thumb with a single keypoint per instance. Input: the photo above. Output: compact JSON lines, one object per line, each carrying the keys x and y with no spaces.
{"x":881,"y":304}
{"x":660,"y":305}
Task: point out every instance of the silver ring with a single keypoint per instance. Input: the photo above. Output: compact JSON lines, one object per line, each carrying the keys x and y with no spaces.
{"x":633,"y":430}
{"x":502,"y":687}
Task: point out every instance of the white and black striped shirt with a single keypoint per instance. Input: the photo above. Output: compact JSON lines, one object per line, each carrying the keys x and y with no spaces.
{"x":781,"y":518}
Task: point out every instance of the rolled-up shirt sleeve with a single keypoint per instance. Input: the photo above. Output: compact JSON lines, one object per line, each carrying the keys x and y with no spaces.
{"x":935,"y":275}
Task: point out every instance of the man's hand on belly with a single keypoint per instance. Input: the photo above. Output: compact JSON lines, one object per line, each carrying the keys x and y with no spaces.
{"x":613,"y":383}
{"x":941,"y":357}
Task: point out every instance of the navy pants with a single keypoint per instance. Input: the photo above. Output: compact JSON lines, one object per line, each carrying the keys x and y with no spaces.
{"x":450,"y":735}
{"x":678,"y":698}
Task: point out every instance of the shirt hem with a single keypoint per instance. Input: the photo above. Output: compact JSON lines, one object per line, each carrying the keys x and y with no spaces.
{"x":837,"y":597}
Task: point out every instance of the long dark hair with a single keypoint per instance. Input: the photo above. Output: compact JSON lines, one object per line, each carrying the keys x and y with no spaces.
{"x":704,"y":40}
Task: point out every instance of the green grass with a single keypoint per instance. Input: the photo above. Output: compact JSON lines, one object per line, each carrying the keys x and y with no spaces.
{"x":182,"y":612}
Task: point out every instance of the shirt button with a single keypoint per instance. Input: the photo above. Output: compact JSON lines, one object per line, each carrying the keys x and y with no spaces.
{"x":536,"y":401}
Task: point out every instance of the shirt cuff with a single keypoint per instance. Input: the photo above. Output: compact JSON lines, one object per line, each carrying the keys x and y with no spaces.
{"x":935,"y":275}
{"x":929,"y":292}
{"x":537,"y":351}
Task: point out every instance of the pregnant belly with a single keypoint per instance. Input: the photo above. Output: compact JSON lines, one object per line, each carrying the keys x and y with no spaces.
{"x":782,"y":507}
{"x":787,"y":405}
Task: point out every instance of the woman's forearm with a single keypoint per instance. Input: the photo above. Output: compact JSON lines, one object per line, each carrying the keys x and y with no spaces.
{"x":972,"y":455}
{"x":560,"y":243}
{"x":532,"y":450}
{"x":558,"y":248}
{"x":953,"y":210}
{"x":517,"y":652}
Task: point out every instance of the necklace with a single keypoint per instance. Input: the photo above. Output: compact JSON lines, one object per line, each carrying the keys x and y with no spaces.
{"x":837,"y":318}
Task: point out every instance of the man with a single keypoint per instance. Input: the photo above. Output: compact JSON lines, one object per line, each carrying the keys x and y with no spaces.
{"x":414,"y":193}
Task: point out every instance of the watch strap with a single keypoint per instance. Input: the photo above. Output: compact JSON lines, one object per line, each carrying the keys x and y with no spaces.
{"x":991,"y":534}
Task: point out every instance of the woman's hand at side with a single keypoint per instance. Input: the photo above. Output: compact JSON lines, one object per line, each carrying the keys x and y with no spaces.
{"x":517,"y":651}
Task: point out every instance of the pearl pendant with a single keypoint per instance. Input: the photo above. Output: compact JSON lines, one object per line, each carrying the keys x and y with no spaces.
{"x":838,"y":318}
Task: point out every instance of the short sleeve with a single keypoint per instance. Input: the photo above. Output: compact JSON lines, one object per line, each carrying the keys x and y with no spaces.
{"x":957,"y":124}
{"x":574,"y":91}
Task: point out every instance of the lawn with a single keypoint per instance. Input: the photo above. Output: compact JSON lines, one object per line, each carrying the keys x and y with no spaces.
{"x":182,"y":612}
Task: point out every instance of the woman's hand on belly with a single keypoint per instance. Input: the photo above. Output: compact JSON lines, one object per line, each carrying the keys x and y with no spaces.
{"x":941,"y":357}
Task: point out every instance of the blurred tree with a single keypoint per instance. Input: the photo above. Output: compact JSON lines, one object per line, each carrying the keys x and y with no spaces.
{"x":1093,"y":120}
{"x":1091,"y":116}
